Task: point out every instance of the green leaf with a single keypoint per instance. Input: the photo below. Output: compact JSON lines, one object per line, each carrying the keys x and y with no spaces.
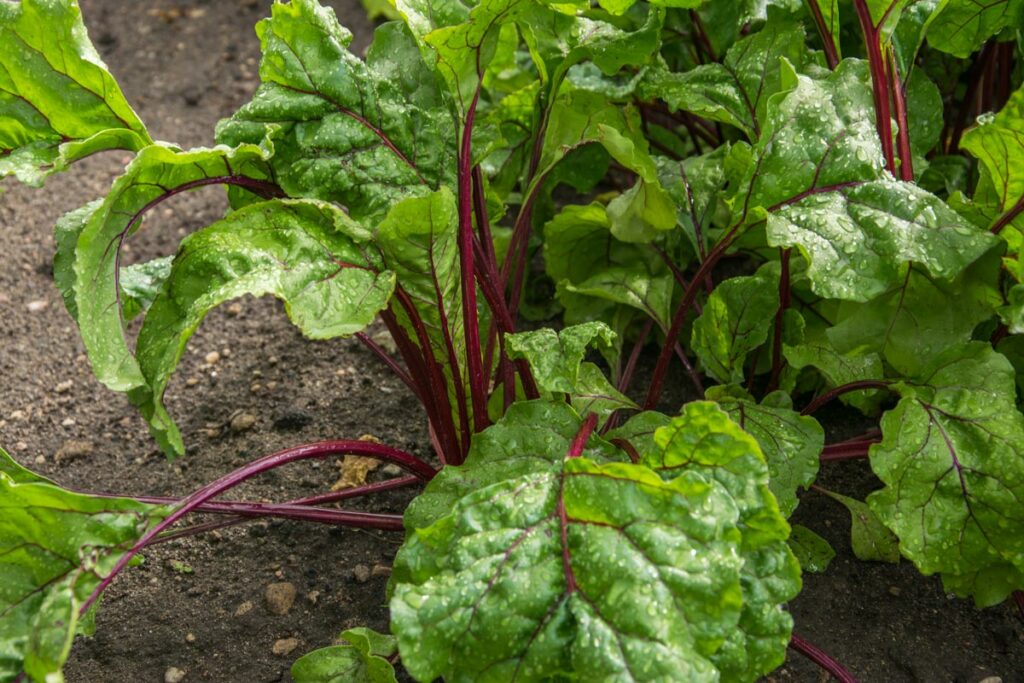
{"x":791,"y":442}
{"x":819,"y":172}
{"x":962,"y":26}
{"x":418,"y":240}
{"x":870,"y":539}
{"x":704,"y":439}
{"x":557,"y":363}
{"x":838,"y":369}
{"x":737,"y":90}
{"x":695,"y":185}
{"x":154,"y":175}
{"x":953,"y":470}
{"x":580,"y":118}
{"x":141,"y":283}
{"x":736,"y":320}
{"x":306,"y":253}
{"x":558,"y":41}
{"x":58,"y":102}
{"x":914,"y":321}
{"x":555,"y":357}
{"x":812,"y":551}
{"x":513,"y":579}
{"x":55,"y":548}
{"x":66,"y":232}
{"x":385,"y":123}
{"x":362,"y":659}
{"x":998,"y":143}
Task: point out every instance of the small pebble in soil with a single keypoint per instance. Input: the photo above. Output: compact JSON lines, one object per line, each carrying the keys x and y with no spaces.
{"x":40,"y":459}
{"x":174,"y":675}
{"x":991,"y":679}
{"x":212,"y":357}
{"x":37,"y":306}
{"x":380,"y":570}
{"x":392,"y":470}
{"x":72,"y":449}
{"x":895,"y":591}
{"x":64,"y":387}
{"x":244,"y":608}
{"x":313,"y":596}
{"x":235,"y":309}
{"x":67,"y":422}
{"x":243,"y":422}
{"x":191,"y":382}
{"x":280,"y":597}
{"x":361,"y":573}
{"x":285,"y":646}
{"x":190,"y":638}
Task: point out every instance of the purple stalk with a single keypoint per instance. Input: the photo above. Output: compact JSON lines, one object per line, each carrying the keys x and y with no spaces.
{"x":582,"y":436}
{"x":879,"y":81}
{"x":471,"y":322}
{"x":827,"y":39}
{"x":899,"y":100}
{"x":822,"y":659}
{"x":672,"y":336}
{"x":1018,"y":597}
{"x":322,"y":449}
{"x":784,"y":301}
{"x":390,"y":362}
{"x":820,"y":401}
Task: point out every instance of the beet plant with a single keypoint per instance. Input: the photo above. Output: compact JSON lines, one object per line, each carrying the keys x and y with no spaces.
{"x":787,"y":203}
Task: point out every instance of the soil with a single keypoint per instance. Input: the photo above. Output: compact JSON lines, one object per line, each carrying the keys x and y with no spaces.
{"x":198,"y":605}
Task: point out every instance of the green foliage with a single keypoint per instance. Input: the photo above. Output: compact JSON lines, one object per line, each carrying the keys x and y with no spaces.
{"x":55,"y":548}
{"x":363,"y":658}
{"x":686,"y":175}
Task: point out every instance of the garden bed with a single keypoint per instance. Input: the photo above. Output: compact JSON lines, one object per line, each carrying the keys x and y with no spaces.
{"x":199,"y":605}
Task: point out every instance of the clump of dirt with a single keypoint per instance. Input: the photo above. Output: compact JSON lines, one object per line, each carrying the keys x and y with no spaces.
{"x":241,"y":604}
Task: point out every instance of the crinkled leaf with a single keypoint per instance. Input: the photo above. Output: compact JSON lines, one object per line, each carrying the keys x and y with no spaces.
{"x":819,"y":172}
{"x":812,"y":551}
{"x":962,"y":26}
{"x":736,"y":320}
{"x":497,"y":452}
{"x":953,"y":470}
{"x":869,"y":538}
{"x":555,"y":357}
{"x":55,"y":548}
{"x":735,"y":91}
{"x":791,"y":442}
{"x":695,"y":185}
{"x":361,"y":659}
{"x":362,"y":134}
{"x":704,"y":439}
{"x":155,"y":174}
{"x":305,"y":253}
{"x":512,"y":580}
{"x":919,"y":318}
{"x":58,"y":102}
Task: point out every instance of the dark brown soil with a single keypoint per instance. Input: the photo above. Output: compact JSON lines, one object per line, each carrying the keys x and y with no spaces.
{"x":184,"y":65}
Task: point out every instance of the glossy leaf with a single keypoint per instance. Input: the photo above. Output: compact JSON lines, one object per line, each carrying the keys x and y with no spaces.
{"x":963,"y":25}
{"x":838,"y":369}
{"x":58,"y":102}
{"x":704,"y":439}
{"x":308,"y":254}
{"x":737,"y":90}
{"x":819,"y":172}
{"x":362,"y":658}
{"x":791,"y":442}
{"x":154,"y":175}
{"x":55,"y":548}
{"x":559,"y":524}
{"x":736,"y":320}
{"x":914,"y":321}
{"x":812,"y":551}
{"x":363,"y":134}
{"x":953,"y":471}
